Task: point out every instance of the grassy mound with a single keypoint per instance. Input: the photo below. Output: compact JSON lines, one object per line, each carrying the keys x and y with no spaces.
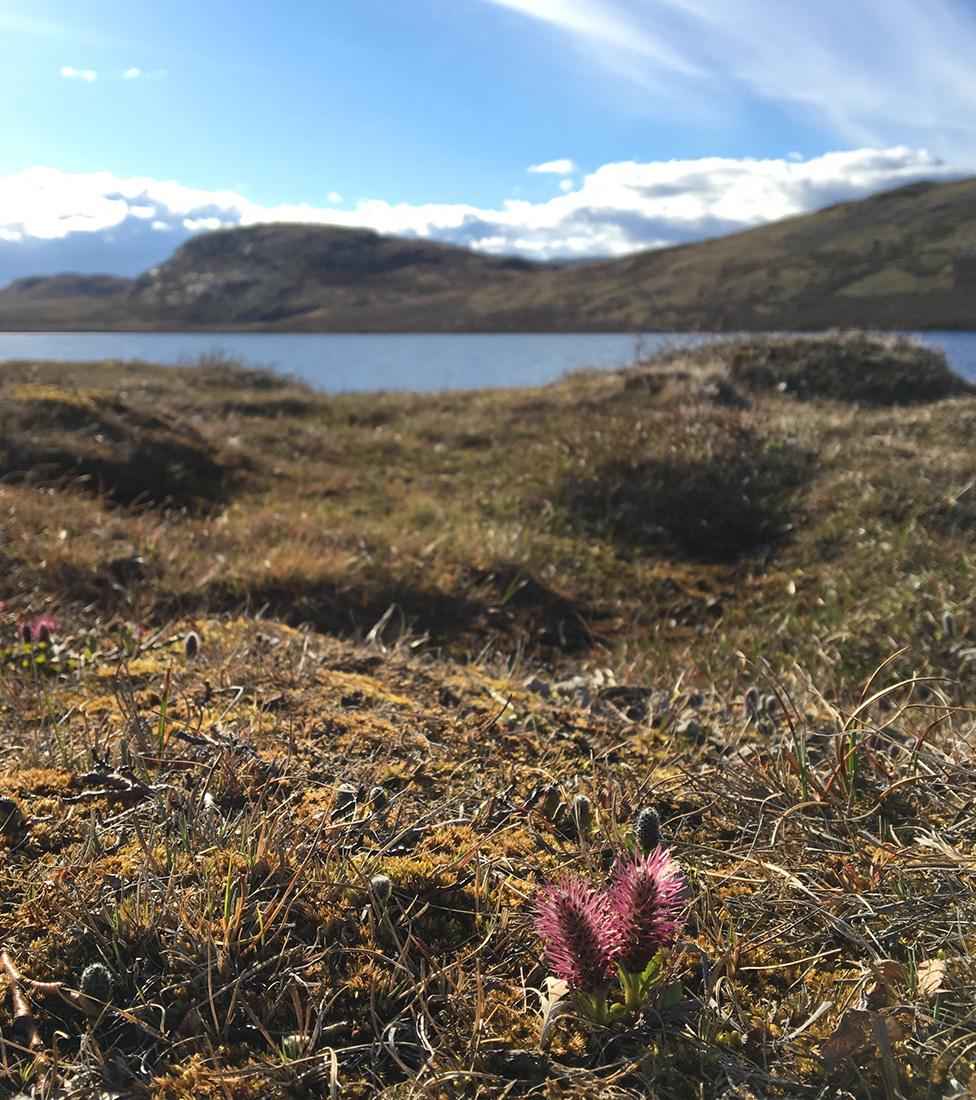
{"x":104,"y":445}
{"x":707,"y":485}
{"x":856,"y":368}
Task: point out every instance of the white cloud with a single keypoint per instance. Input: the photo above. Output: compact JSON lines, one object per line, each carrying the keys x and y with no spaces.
{"x":565,"y":185}
{"x":71,"y":73}
{"x":869,"y":71}
{"x":334,"y":196}
{"x":56,"y":221}
{"x":562,"y":167}
{"x":135,"y":73}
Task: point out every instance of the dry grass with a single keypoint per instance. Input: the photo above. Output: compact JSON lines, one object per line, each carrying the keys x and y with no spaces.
{"x":203,"y":814}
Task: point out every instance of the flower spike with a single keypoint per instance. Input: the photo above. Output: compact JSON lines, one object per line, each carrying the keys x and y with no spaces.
{"x":579,"y":932}
{"x":646,"y":894}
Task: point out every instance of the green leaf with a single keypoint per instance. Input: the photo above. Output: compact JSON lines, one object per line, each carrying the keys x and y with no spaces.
{"x":652,"y":971}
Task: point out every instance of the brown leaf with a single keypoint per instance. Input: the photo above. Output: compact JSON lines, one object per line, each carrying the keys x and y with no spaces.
{"x":854,"y":1037}
{"x":889,"y":977}
{"x":930,"y":977}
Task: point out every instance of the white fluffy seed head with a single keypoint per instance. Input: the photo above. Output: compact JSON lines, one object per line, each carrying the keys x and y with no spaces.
{"x":582,"y":811}
{"x":380,"y":888}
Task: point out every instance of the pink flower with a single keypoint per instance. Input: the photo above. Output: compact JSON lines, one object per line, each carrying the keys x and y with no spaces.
{"x":39,"y":629}
{"x":579,"y":932}
{"x":645,"y":898}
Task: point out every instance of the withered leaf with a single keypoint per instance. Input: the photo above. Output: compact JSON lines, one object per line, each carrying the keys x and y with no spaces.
{"x":889,"y":977}
{"x":854,"y":1037}
{"x":930,"y":977}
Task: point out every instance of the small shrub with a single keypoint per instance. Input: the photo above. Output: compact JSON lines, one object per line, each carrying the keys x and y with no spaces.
{"x":712,"y":488}
{"x":861,"y":369}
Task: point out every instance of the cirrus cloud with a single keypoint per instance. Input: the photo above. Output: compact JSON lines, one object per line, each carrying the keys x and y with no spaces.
{"x":867,"y":71}
{"x":57,"y":221}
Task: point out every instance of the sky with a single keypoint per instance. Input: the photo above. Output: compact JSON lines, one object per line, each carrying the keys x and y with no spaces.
{"x":548,"y":128}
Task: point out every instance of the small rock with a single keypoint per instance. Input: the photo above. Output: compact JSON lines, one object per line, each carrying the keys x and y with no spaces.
{"x":345,"y":802}
{"x":659,"y":706}
{"x":582,"y":815}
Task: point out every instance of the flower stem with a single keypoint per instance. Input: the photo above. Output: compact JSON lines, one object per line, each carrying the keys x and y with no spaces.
{"x":632,"y":986}
{"x":595,"y":1006}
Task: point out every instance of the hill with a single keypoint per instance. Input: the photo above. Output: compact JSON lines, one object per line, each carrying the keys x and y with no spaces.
{"x":291,"y":277}
{"x":67,"y":301}
{"x":903,"y":259}
{"x":297,"y":274}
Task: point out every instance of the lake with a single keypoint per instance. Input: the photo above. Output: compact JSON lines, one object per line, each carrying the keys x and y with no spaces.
{"x":342,"y":362}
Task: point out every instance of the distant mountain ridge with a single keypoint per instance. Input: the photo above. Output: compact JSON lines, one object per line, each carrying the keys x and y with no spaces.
{"x":902,"y":259}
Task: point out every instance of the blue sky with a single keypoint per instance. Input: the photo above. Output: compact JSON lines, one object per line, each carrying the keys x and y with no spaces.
{"x":130,"y":125}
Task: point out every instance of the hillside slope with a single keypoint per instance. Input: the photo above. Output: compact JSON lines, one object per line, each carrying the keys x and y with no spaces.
{"x":66,"y":301}
{"x":904,"y":259}
{"x":282,"y":273}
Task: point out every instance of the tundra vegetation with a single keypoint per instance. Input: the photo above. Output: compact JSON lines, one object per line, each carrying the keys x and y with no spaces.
{"x":319,"y":711}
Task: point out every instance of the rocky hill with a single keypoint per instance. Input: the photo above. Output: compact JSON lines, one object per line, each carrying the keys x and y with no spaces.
{"x":903,"y":259}
{"x":292,"y":274}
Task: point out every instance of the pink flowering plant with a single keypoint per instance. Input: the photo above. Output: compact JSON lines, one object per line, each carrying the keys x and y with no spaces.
{"x":576,"y":925}
{"x":34,"y":644}
{"x":596,"y":937}
{"x":40,"y":630}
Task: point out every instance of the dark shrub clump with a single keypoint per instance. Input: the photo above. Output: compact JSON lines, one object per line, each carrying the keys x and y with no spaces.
{"x":861,"y":369}
{"x":712,"y":489}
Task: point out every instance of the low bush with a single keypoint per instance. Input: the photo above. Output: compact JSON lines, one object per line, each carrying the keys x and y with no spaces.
{"x":859,"y":368}
{"x":709,"y":487}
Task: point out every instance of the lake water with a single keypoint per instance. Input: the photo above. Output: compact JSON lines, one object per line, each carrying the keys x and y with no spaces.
{"x":351,"y":361}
